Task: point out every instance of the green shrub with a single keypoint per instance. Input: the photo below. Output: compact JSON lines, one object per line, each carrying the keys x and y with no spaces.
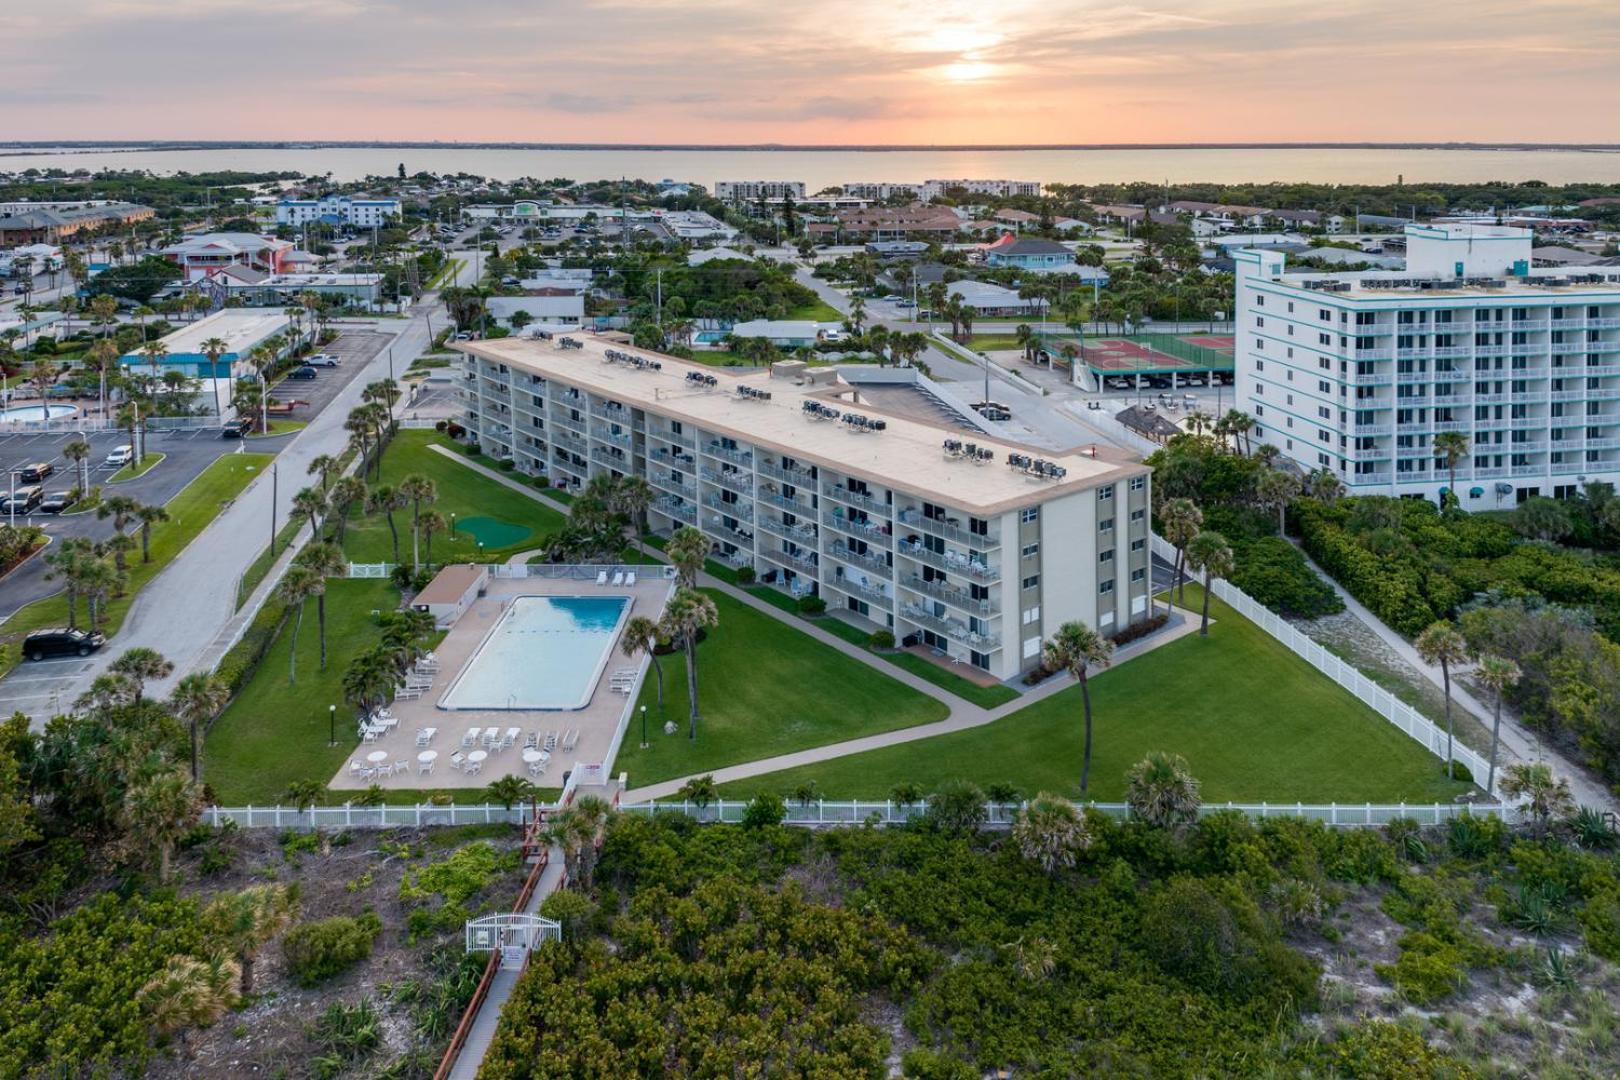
{"x":1274,"y":573}
{"x":1459,"y":771}
{"x":745,"y":575}
{"x":812,"y":605}
{"x":881,"y":639}
{"x":1600,"y":924}
{"x":920,"y":1064}
{"x":1428,"y":969}
{"x":763,"y":810}
{"x":572,"y":909}
{"x":316,"y":951}
{"x":236,"y":668}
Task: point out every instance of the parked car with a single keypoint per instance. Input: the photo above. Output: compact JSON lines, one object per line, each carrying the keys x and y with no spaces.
{"x":54,"y":503}
{"x":35,"y":472}
{"x":22,"y":500}
{"x":305,"y":372}
{"x":236,"y":429}
{"x":120,"y":456}
{"x":322,"y":359}
{"x":61,"y":642}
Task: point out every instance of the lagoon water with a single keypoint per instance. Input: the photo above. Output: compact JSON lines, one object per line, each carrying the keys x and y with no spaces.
{"x":823,"y":168}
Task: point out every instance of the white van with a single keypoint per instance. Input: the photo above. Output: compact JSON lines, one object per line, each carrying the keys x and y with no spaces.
{"x":121,"y":456}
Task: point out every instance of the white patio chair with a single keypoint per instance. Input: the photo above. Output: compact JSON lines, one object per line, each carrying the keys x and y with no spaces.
{"x":424,"y":736}
{"x":473,"y":768}
{"x":601,"y":577}
{"x":384,"y":771}
{"x":368,"y":773}
{"x":491,"y":737}
{"x":531,"y":740}
{"x":618,"y":579}
{"x":355,"y":768}
{"x":424,"y":768}
{"x":407,"y":694}
{"x":630,"y":578}
{"x":402,"y":768}
{"x":458,"y":761}
{"x":535,"y":769}
{"x":369,"y":735}
{"x":470,"y":737}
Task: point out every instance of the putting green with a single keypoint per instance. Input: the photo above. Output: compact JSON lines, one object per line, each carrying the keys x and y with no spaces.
{"x":493,"y":532}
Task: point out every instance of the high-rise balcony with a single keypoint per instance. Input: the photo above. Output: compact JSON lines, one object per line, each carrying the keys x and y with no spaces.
{"x":869,"y":560}
{"x":951,"y":564}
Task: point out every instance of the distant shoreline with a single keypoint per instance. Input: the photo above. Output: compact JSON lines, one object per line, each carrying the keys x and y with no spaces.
{"x":36,"y":147}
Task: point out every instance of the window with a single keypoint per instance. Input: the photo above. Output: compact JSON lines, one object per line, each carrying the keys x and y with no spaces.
{"x":1105,"y":556}
{"x":1138,"y":575}
{"x":1029,"y":513}
{"x":1032,"y":648}
{"x":1137,"y":515}
{"x":1104,"y":494}
{"x":1138,"y":545}
{"x":1259,"y":321}
{"x":1324,"y":339}
{"x":1032,"y":615}
{"x":1105,"y":525}
{"x":1031,"y":550}
{"x":1106,"y":588}
{"x":1032,"y":581}
{"x":1324,"y":314}
{"x":1138,"y":483}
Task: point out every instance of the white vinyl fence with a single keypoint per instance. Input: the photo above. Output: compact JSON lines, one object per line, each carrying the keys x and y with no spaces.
{"x":349,"y":816}
{"x":1411,"y":722}
{"x":370,"y":570}
{"x":830,"y":812}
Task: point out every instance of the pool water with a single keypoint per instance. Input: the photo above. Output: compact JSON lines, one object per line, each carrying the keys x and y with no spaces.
{"x":545,"y":652}
{"x":35,"y":413}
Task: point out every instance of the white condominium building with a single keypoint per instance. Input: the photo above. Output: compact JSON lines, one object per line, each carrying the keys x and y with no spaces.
{"x":754,"y":190}
{"x":1358,"y":372}
{"x":976,"y":548}
{"x":361,"y":213}
{"x":935,"y":188}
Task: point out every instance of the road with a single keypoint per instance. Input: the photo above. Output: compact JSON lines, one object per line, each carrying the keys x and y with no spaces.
{"x":183,"y":609}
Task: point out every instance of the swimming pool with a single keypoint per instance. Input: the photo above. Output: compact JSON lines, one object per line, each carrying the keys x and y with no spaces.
{"x":35,"y":413}
{"x":545,"y":652}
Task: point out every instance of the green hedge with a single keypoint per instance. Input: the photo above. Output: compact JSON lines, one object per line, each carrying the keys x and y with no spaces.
{"x":316,"y":951}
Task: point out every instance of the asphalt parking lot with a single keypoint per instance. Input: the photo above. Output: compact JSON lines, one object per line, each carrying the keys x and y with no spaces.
{"x":353,"y":349}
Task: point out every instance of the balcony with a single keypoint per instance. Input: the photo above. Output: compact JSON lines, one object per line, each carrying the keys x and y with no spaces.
{"x":726,"y":453}
{"x":950,"y":628}
{"x":805,"y":564}
{"x":951,"y":564}
{"x":741,"y":483}
{"x":866,"y":561}
{"x":613,"y":411}
{"x":742,"y":510}
{"x":866,"y":529}
{"x":618,"y":438}
{"x":676,"y":509}
{"x":1372,"y":380}
{"x":669,"y":483}
{"x":859,"y":588}
{"x":684,"y":441}
{"x":1566,"y":324}
{"x":1370,"y":430}
{"x":563,"y":439}
{"x":672,"y":459}
{"x":1529,"y":470}
{"x":801,"y":533}
{"x":1368,"y":479}
{"x":1603,"y":346}
{"x":799,"y":477}
{"x":1454,"y":425}
{"x":782,"y":502}
{"x":949,"y":529}
{"x":1526,"y":423}
{"x":718,"y":528}
{"x":856,"y":499}
{"x":939,"y":590}
{"x":560,"y":416}
{"x":1452,"y":352}
{"x":1375,"y":354}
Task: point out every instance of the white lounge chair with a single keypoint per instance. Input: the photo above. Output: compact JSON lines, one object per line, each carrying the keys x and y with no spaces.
{"x":618,"y":579}
{"x":409,"y":693}
{"x":424,"y":768}
{"x":630,"y":577}
{"x":570,"y":739}
{"x":470,"y":737}
{"x":355,"y":768}
{"x":601,"y":577}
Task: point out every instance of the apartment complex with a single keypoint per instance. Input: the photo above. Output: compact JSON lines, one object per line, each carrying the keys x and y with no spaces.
{"x":35,"y":223}
{"x":976,"y":548}
{"x":754,"y":190}
{"x":1358,"y":372}
{"x":361,"y":213}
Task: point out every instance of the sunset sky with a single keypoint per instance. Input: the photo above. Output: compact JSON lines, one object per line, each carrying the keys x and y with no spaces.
{"x":813,"y":71}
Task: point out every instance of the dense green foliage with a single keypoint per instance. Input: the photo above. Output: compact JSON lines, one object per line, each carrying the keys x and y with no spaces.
{"x":712,"y":947}
{"x":316,"y":951}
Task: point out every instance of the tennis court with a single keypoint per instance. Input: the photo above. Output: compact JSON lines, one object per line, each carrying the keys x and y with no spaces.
{"x":1158,"y":354}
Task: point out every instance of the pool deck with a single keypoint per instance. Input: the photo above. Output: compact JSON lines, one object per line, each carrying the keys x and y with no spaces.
{"x":597,"y":722}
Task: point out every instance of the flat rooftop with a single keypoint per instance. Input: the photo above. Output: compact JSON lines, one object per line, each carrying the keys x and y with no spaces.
{"x":908,"y":456}
{"x":1564,"y":281}
{"x":240,"y":329}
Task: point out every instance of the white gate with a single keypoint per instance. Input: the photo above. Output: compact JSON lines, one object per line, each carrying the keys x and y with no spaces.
{"x":512,"y":935}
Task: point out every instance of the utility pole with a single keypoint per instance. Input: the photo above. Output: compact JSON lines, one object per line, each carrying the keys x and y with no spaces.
{"x":274,"y":495}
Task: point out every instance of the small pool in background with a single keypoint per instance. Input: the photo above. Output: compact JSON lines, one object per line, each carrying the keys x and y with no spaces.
{"x":33,"y":414}
{"x":710,"y":337}
{"x":546,"y":652}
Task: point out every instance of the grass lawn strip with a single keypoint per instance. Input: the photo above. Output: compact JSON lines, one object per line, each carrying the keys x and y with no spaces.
{"x":190,"y":511}
{"x":765,"y":688}
{"x":819,"y":311}
{"x":462,"y":492}
{"x":135,"y":472}
{"x":1254,"y":721}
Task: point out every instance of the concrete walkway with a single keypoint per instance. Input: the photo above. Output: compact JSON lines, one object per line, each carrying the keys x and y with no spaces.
{"x":1518,"y":742}
{"x":963,"y":714}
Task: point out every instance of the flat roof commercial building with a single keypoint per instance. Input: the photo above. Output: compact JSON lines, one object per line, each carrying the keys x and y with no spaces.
{"x":1358,"y":372}
{"x":972,"y":546}
{"x":240,"y":329}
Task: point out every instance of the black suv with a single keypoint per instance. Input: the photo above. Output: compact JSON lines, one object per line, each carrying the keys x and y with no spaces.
{"x":237,"y":429}
{"x":303,"y":373}
{"x":33,"y":474}
{"x":61,"y":642}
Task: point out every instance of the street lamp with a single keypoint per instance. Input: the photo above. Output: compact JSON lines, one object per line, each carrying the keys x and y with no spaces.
{"x":644,"y":727}
{"x":331,"y":716}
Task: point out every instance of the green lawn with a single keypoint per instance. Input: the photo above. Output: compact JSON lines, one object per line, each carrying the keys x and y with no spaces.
{"x":280,"y":427}
{"x":819,"y":311}
{"x":764,"y":689}
{"x":190,"y":511}
{"x":133,"y":471}
{"x":462,"y":492}
{"x":987,"y":697}
{"x":275,"y":731}
{"x":1253,"y":721}
{"x":261,"y":565}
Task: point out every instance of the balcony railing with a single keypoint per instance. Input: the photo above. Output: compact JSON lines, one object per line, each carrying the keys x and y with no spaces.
{"x":726,"y":453}
{"x":948,"y":530}
{"x":856,"y":499}
{"x":870,"y":529}
{"x":676,"y":509}
{"x":950,"y":627}
{"x":741,"y":483}
{"x":621,"y":438}
{"x":798,"y":477}
{"x":667,"y":457}
{"x":803,"y":563}
{"x":803,"y":533}
{"x":954,"y":564}
{"x":866,"y":561}
{"x":939,"y":590}
{"x":685,"y":441}
{"x":782,"y":502}
{"x":664,"y":482}
{"x":562,"y":438}
{"x":560,"y":416}
{"x":715,"y":527}
{"x":863,"y":590}
{"x":742,"y":510}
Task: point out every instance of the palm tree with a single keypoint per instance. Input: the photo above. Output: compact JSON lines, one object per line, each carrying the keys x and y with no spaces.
{"x":385,"y":499}
{"x":432,"y":522}
{"x":1076,"y":648}
{"x":348,"y":493}
{"x":326,"y":467}
{"x":214,"y":348}
{"x":140,"y":665}
{"x":101,"y":358}
{"x":643,"y":633}
{"x":1325,"y":486}
{"x":1450,"y":447}
{"x":246,"y":921}
{"x":369,"y":680}
{"x":197,"y":699}
{"x":189,"y":992}
{"x":1210,"y":553}
{"x":68,"y":562}
{"x":310,"y":504}
{"x":298,"y":585}
{"x":327,"y":561}
{"x":1239,"y":424}
{"x":303,"y":794}
{"x":592,"y":813}
{"x":155,"y":353}
{"x":689,"y":611}
{"x":1050,"y":832}
{"x":1441,"y":643}
{"x":149,"y":516}
{"x":1162,"y":792}
{"x":1181,"y":521}
{"x":99,"y":579}
{"x":123,"y":510}
{"x":1277,"y":489}
{"x":417,"y":490}
{"x":1548,"y":796}
{"x":158,"y":811}
{"x":508,"y":790}
{"x":631,"y":497}
{"x":687,"y":549}
{"x":78,"y":452}
{"x":1498,"y":674}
